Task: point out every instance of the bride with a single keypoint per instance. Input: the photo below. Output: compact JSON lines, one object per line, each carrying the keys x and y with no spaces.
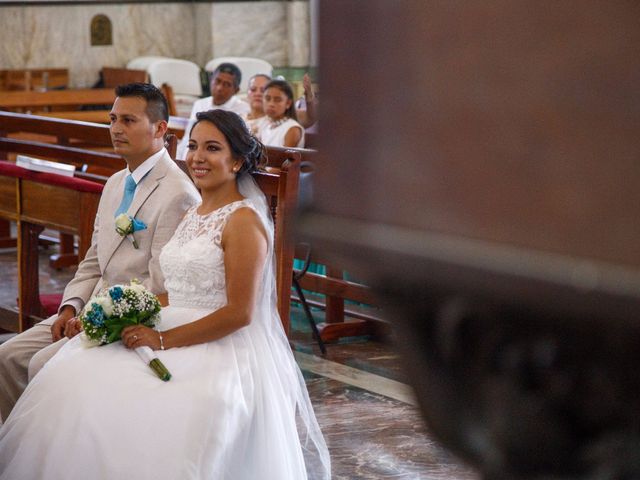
{"x":236,"y":407}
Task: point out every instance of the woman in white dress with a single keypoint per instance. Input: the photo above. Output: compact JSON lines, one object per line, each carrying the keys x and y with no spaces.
{"x":282,"y":128}
{"x":236,"y":407}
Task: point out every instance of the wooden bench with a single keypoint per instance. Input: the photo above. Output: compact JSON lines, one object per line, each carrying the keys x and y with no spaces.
{"x":58,"y":140}
{"x":55,"y":130}
{"x":95,"y":166}
{"x":27,"y":198}
{"x":56,"y":98}
{"x":92,"y":165}
{"x":72,"y":99}
{"x":367,"y":319}
{"x":34,"y":79}
{"x":311,"y":140}
{"x":112,"y":76}
{"x":342,"y":319}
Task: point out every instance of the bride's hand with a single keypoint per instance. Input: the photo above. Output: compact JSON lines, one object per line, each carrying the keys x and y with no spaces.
{"x":139,"y":336}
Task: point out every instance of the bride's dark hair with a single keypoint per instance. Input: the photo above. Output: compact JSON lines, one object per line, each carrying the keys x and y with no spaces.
{"x":244,"y":146}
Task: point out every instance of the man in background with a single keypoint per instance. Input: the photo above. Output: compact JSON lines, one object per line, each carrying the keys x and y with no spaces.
{"x":224,"y":86}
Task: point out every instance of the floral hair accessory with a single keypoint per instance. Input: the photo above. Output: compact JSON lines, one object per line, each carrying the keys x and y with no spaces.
{"x":126,"y":225}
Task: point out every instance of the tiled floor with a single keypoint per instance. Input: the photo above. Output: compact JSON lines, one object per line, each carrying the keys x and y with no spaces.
{"x":363,"y":405}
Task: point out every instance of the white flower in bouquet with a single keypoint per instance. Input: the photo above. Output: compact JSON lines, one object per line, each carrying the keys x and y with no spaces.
{"x":108,"y":313}
{"x":106,"y":303}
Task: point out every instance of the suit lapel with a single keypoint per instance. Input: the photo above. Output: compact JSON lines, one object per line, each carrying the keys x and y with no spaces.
{"x":143,"y":191}
{"x":108,"y":238}
{"x":148,"y":185}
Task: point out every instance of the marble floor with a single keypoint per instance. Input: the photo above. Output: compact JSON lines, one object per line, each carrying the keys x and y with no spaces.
{"x":363,"y":404}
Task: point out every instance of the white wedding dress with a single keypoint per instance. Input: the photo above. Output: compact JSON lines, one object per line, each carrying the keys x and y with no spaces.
{"x":235,"y":409}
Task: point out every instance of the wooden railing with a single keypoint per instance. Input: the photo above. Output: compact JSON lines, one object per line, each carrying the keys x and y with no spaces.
{"x":34,"y":79}
{"x":343,"y":318}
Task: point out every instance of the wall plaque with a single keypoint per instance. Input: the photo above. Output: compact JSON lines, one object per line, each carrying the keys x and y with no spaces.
{"x":101,"y":30}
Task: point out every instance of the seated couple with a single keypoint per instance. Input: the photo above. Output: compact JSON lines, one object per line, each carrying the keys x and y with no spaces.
{"x":237,"y":406}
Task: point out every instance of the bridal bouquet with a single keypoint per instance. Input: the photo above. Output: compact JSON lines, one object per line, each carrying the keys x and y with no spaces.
{"x":117,"y":307}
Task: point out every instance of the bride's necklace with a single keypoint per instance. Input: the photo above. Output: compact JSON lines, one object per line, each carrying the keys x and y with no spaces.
{"x":277,"y":123}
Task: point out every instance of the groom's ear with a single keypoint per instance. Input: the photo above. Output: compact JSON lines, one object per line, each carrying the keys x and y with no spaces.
{"x":160,"y":128}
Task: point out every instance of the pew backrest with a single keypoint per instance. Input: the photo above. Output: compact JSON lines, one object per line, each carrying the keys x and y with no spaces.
{"x":27,"y":197}
{"x":56,"y":130}
{"x":112,"y":77}
{"x":30,"y":100}
{"x":32,"y":79}
{"x":99,"y":165}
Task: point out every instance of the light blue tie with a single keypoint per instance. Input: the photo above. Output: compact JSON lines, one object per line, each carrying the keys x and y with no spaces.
{"x":129,"y":190}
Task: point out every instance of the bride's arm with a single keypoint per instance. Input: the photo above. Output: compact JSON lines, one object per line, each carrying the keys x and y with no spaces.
{"x":163,"y":298}
{"x":245,"y":249}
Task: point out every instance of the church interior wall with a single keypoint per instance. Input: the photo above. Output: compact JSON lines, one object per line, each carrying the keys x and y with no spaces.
{"x":58,"y":36}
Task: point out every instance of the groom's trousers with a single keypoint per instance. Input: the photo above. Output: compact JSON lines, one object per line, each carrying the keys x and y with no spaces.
{"x":15,"y":355}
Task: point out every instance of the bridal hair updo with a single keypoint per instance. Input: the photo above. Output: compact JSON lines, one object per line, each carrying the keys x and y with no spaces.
{"x":244,"y":146}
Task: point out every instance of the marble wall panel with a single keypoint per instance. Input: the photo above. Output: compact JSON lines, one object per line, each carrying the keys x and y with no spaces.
{"x":203,"y":16}
{"x":251,"y":29}
{"x":298,"y":34}
{"x":59,"y":36}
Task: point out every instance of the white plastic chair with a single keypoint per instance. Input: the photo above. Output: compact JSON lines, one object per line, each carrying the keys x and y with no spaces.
{"x":248,"y":66}
{"x":182,"y":75}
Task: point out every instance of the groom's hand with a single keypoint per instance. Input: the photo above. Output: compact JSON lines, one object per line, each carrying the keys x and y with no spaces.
{"x":58,"y":327}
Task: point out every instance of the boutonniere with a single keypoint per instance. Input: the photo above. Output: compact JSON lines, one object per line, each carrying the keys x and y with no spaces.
{"x":126,"y":225}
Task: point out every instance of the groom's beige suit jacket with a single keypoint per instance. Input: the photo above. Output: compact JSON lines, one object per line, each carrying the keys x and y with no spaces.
{"x":160,"y":201}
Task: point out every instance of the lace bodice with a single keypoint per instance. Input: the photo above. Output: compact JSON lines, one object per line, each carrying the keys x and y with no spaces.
{"x":193,"y":261}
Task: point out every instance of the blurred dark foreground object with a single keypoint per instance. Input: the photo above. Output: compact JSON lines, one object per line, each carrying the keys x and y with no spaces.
{"x":480,"y":165}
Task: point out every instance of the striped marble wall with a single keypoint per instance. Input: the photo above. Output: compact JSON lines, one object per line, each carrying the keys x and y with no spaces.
{"x":59,"y":35}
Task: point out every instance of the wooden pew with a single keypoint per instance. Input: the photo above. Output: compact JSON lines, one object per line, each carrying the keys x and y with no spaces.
{"x":55,"y":130}
{"x":363,"y":320}
{"x":167,"y":91}
{"x":91,"y":116}
{"x":281,"y":190}
{"x":112,"y":77}
{"x":95,"y":166}
{"x":342,"y":319}
{"x":18,"y":135}
{"x":34,"y":79}
{"x":311,"y":140}
{"x":87,"y":161}
{"x":27,"y":198}
{"x":71,"y":99}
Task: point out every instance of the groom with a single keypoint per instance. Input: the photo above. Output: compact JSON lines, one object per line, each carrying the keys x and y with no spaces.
{"x":154,"y":191}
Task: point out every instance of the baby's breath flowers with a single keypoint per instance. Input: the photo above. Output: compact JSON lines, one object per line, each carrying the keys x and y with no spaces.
{"x":117,"y":307}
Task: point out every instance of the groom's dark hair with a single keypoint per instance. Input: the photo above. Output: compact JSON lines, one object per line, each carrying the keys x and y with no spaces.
{"x":157,"y":108}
